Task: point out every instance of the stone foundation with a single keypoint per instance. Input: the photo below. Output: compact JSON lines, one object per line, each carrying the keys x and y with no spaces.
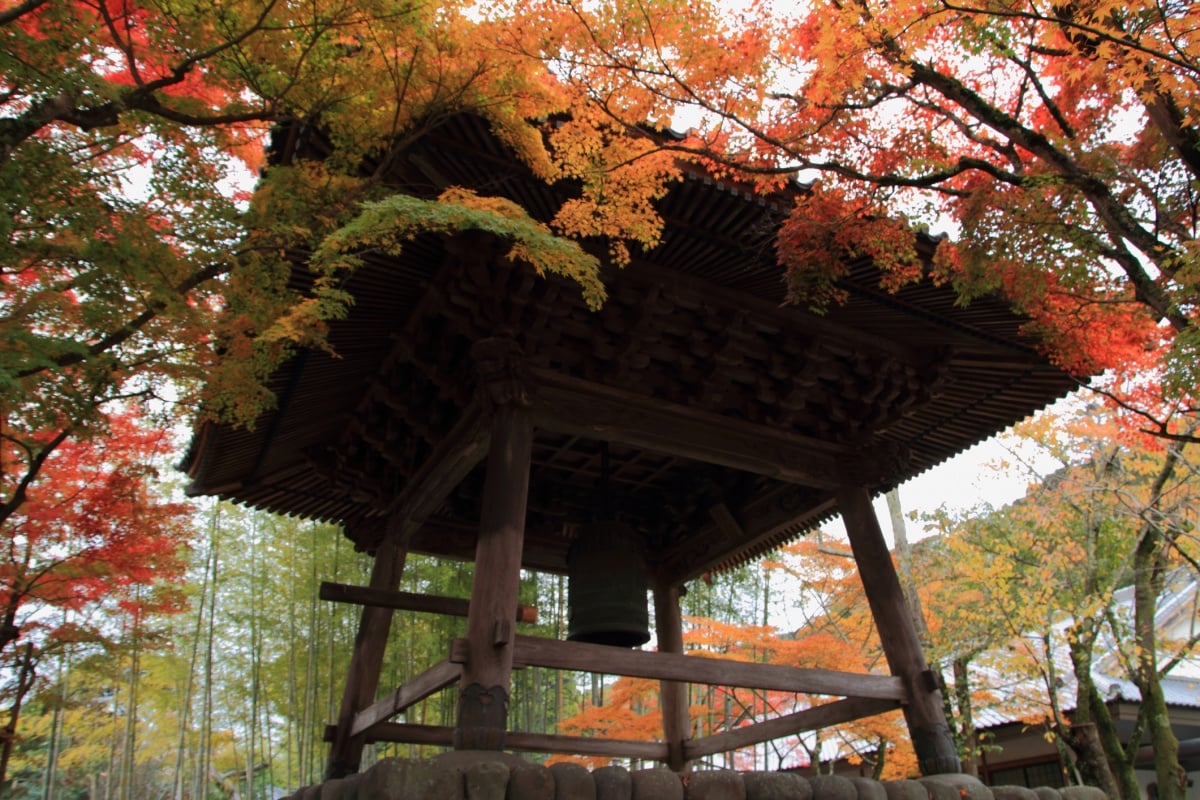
{"x":468,"y":775}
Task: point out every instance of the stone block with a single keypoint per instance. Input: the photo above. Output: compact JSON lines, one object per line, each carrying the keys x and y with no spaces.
{"x":776,"y":786}
{"x":723,"y":784}
{"x":655,"y":784}
{"x":572,"y":782}
{"x":486,"y":780}
{"x":530,"y":782}
{"x":940,"y":790}
{"x":1082,"y":793}
{"x":460,"y":759}
{"x":341,"y":789}
{"x":472,"y":776}
{"x":409,"y":779}
{"x":905,"y":790}
{"x":1047,"y":793}
{"x":832,"y":787}
{"x":1014,"y":793}
{"x":868,"y":789}
{"x":612,"y":783}
{"x":962,"y":786}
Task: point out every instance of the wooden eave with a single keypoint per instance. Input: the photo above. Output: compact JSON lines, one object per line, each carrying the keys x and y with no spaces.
{"x":729,"y":416}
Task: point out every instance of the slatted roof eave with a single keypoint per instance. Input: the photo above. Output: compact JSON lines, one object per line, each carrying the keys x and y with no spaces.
{"x":697,"y":320}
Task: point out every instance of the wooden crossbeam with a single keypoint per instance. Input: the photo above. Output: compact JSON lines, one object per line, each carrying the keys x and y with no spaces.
{"x":539,"y":652}
{"x":568,"y":405}
{"x":522,"y":742}
{"x":408,"y":601}
{"x":434,"y":679}
{"x":809,"y":719}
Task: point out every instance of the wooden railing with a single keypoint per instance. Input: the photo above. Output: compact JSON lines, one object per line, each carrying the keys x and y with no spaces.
{"x":865,"y":695}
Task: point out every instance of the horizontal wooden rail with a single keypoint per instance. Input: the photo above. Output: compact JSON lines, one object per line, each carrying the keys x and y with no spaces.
{"x":522,"y":742}
{"x":809,"y":719}
{"x":434,"y":679}
{"x":557,"y":654}
{"x":408,"y":601}
{"x":866,"y":695}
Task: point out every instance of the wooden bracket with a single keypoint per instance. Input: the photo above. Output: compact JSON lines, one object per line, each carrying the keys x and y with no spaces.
{"x":502,"y":633}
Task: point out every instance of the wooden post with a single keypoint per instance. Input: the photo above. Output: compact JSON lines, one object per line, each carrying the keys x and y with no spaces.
{"x":367,"y":658}
{"x":484,"y":689}
{"x":669,"y":627}
{"x":926,"y":719}
{"x":451,"y":460}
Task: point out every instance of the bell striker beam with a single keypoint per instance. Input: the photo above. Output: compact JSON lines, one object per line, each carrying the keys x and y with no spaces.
{"x":366,"y":659}
{"x":669,"y":625}
{"x":482,"y":717}
{"x":936,"y":753}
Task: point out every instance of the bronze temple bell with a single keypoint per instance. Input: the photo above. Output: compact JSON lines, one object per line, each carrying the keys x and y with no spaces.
{"x":606,"y":589}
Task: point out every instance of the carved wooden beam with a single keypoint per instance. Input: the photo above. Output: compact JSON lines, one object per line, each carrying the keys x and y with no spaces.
{"x":568,"y":405}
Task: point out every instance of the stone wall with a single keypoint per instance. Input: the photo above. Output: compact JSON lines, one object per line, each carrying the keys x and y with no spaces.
{"x":496,"y":776}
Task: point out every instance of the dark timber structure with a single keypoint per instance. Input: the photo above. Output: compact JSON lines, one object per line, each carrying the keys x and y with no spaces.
{"x":472,"y":404}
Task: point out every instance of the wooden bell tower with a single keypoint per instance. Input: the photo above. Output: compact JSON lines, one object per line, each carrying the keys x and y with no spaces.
{"x":473,"y":403}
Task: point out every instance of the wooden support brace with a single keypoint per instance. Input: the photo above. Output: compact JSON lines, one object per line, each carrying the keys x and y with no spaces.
{"x":809,"y":719}
{"x":366,"y":661}
{"x":408,"y":601}
{"x":432,"y":680}
{"x":936,"y":752}
{"x":516,"y":741}
{"x":676,"y":722}
{"x":451,"y":461}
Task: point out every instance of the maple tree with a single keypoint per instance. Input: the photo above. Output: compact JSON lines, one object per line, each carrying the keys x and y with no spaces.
{"x":92,"y":540}
{"x":1040,"y":577}
{"x":1056,"y":141}
{"x":92,"y":529}
{"x":133,"y":268}
{"x":839,"y":635}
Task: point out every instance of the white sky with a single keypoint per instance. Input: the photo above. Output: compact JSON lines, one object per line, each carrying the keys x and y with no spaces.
{"x":996,"y":471}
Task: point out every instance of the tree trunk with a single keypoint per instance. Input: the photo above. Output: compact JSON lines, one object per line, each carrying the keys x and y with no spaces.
{"x":1091,"y":736}
{"x":1149,"y":570}
{"x":968,"y":739}
{"x":61,"y":688}
{"x":25,"y":678}
{"x":908,"y":581}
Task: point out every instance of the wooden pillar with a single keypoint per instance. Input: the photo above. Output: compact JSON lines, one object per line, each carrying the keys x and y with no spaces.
{"x":366,"y":660}
{"x":484,"y":689}
{"x":673,"y":694}
{"x":924,"y":713}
